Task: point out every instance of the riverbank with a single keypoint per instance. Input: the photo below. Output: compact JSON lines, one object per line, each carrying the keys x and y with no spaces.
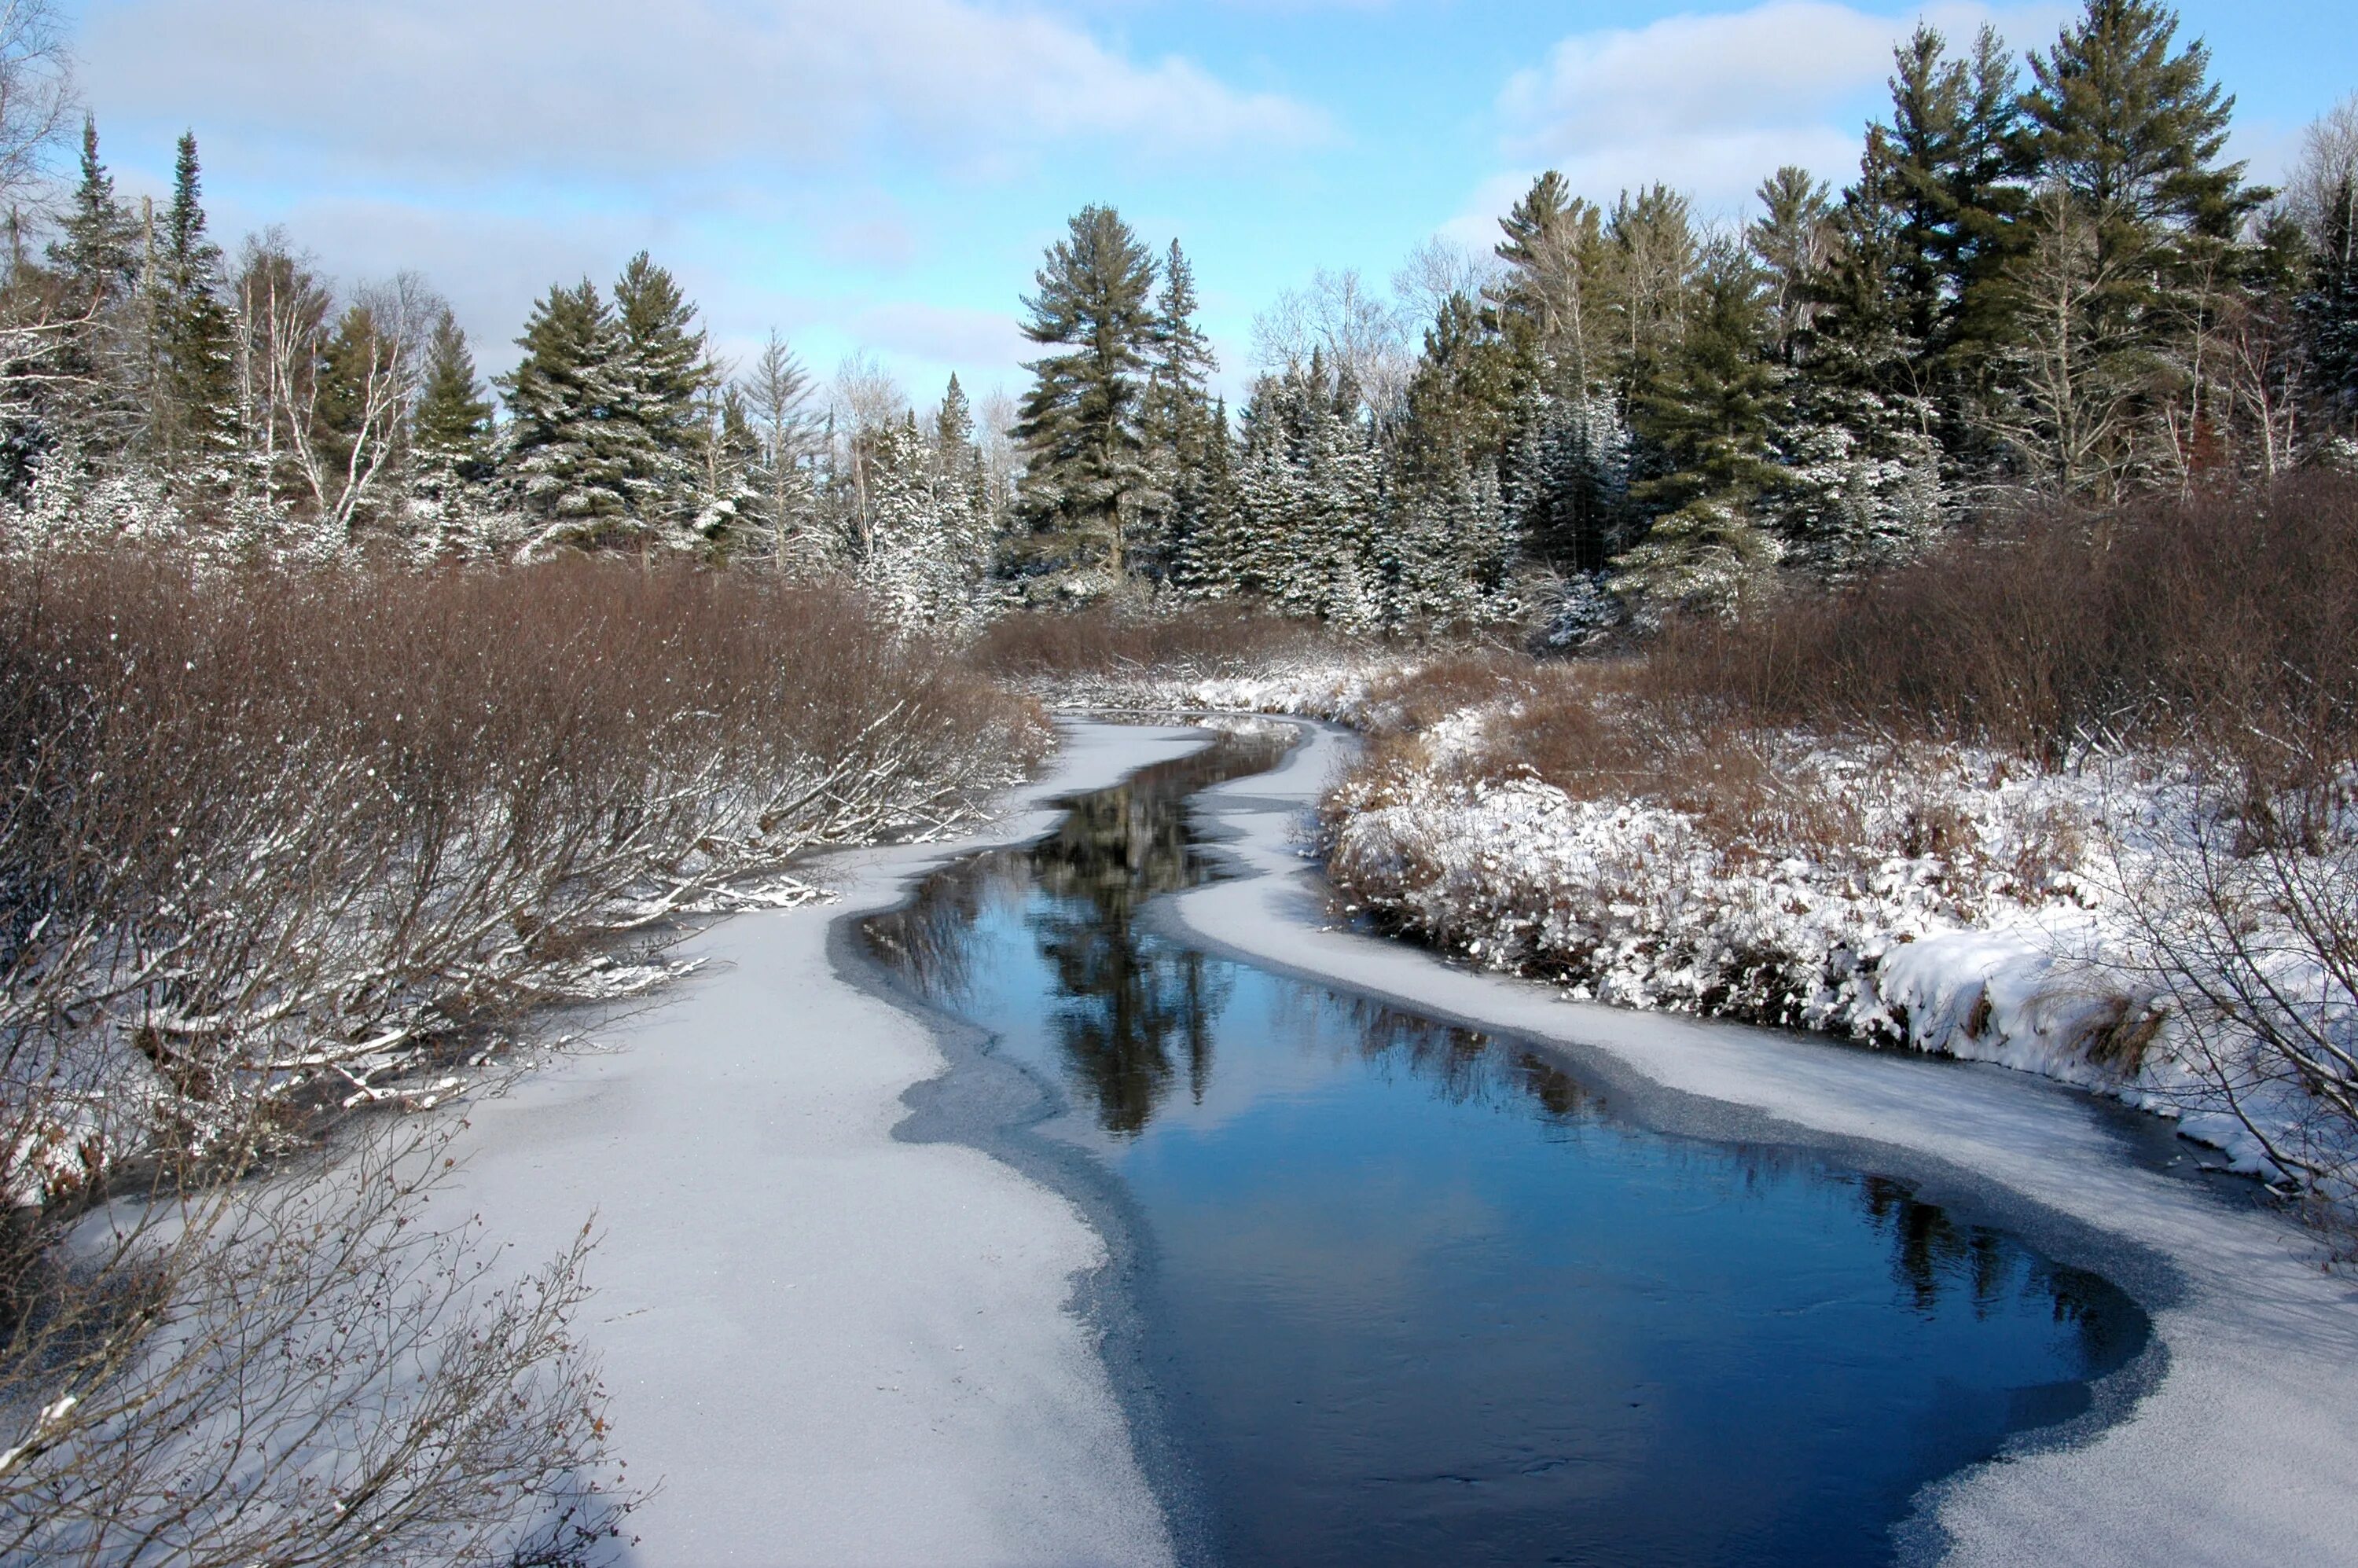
{"x":2237,"y":1452}
{"x":825,"y":1343}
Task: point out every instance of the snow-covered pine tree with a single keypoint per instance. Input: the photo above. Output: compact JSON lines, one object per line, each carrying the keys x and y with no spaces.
{"x":571,"y":463}
{"x":778,"y":399}
{"x":1208,"y":549}
{"x":96,"y":260}
{"x":661,"y":376}
{"x":923,"y":561}
{"x":1175,"y":418}
{"x":1859,"y":482}
{"x":1570,"y":479}
{"x":729,"y":494}
{"x":1705,"y":418}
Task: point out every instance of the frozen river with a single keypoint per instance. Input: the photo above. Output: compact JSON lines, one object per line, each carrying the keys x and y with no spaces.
{"x":1129,"y":1213}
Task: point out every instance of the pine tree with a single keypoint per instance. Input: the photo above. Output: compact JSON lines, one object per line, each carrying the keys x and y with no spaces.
{"x":191,"y":342}
{"x":1570,"y":481}
{"x":1080,"y":424}
{"x":573,"y":463}
{"x":923,"y":560}
{"x":2130,"y":134}
{"x":451,"y":428}
{"x":777,"y":400}
{"x":1791,"y":240}
{"x":1208,"y":549}
{"x":2329,"y":312}
{"x":729,"y":494}
{"x":954,"y":448}
{"x":1172,"y":416}
{"x":96,"y":253}
{"x":661,"y":375}
{"x":1940,"y":186}
{"x":1559,"y":277}
{"x":1705,"y":420}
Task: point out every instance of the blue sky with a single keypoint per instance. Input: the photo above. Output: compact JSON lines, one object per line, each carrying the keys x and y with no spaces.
{"x":882,"y":174}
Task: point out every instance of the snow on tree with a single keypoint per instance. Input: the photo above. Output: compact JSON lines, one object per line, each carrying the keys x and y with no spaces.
{"x":567,"y":461}
{"x":926,"y":549}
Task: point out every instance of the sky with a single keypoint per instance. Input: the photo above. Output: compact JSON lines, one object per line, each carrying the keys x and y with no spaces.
{"x":881,"y":176}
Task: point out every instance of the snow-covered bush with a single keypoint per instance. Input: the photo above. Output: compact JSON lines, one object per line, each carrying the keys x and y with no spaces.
{"x":278,"y":839}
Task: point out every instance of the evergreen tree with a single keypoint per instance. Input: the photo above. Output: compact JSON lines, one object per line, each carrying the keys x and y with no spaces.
{"x":96,"y":253}
{"x":729,"y":494}
{"x":191,"y":342}
{"x":1791,"y":242}
{"x":777,"y":401}
{"x":573,"y":462}
{"x":1465,"y":397}
{"x":2130,"y":134}
{"x":2134,"y":132}
{"x":1173,"y":416}
{"x":1705,"y":421}
{"x":954,"y":433}
{"x":1559,"y":275}
{"x":1208,"y":547}
{"x":922,"y":559}
{"x":1571,"y":480}
{"x":1654,"y":254}
{"x":661,"y":376}
{"x":2329,"y":311}
{"x":451,"y":428}
{"x":1081,"y":423}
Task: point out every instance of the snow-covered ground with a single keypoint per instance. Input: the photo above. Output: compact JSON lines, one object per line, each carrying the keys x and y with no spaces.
{"x":829,"y":1347}
{"x":2240,"y":1454}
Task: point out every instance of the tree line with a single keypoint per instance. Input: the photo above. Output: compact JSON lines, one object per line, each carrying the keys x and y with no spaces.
{"x":2045,"y":277}
{"x":2048,"y":283}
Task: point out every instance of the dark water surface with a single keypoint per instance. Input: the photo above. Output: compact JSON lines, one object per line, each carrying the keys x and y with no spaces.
{"x":1423,"y":1299}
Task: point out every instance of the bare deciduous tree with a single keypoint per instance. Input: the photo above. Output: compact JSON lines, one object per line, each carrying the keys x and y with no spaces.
{"x":36,"y":96}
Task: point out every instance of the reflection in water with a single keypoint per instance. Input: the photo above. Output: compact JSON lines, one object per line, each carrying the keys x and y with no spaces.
{"x":1421,"y":1295}
{"x":1126,"y":1011}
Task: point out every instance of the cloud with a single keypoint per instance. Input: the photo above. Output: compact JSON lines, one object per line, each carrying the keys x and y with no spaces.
{"x":1713,"y":103}
{"x":987,"y":342}
{"x":613,"y":91}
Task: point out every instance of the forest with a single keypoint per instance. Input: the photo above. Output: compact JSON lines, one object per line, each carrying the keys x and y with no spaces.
{"x":2045,"y":280}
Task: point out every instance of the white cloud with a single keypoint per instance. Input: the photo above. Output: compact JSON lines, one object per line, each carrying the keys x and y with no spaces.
{"x":605,"y":91}
{"x":1713,"y":103}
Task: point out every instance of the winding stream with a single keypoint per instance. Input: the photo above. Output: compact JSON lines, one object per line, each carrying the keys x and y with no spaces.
{"x":1416,"y":1295}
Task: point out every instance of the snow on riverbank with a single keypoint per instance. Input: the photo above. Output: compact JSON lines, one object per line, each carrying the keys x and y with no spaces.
{"x":830,"y":1347}
{"x":2240,"y":1455}
{"x":1940,"y":899}
{"x":1952,"y":901}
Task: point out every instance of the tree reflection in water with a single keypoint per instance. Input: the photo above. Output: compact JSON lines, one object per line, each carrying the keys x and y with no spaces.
{"x":1128,"y":1009}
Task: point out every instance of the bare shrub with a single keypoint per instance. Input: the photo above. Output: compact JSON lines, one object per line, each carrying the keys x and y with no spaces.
{"x":1100,"y":640}
{"x":2216,"y":620}
{"x":282,"y":837}
{"x":295,"y":1370}
{"x":2247,"y":922}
